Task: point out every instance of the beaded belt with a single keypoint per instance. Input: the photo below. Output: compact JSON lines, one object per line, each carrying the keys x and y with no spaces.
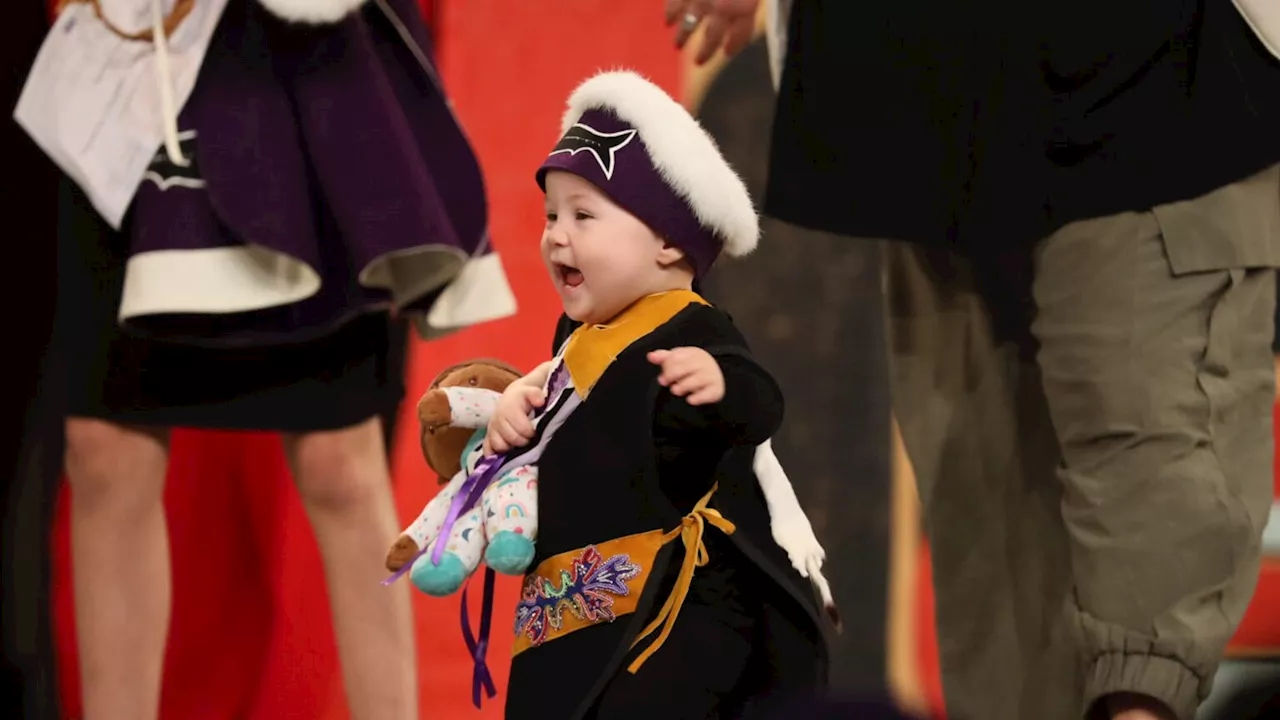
{"x":601,"y":583}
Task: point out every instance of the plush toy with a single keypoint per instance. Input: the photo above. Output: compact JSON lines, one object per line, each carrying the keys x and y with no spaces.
{"x":502,"y":527}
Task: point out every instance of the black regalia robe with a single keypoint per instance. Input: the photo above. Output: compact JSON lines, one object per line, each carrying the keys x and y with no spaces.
{"x":600,"y":488}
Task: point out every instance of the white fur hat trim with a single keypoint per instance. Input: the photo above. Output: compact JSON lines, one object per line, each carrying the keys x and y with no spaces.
{"x":683,"y":153}
{"x":312,"y":12}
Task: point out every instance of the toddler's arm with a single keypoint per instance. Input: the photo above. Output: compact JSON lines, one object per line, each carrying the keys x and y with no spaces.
{"x":749,"y":413}
{"x":510,"y":426}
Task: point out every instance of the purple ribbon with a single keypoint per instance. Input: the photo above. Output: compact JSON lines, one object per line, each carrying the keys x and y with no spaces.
{"x":476,"y":483}
{"x":479,"y":648}
{"x":474,"y":486}
{"x":557,"y":382}
{"x":481,"y":679}
{"x":469,"y":494}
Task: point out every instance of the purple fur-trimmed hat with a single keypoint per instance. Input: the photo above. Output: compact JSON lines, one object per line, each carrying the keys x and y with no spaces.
{"x":645,"y":151}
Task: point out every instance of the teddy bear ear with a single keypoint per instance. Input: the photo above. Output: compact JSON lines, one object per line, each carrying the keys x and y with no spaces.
{"x":312,"y":12}
{"x":497,"y":370}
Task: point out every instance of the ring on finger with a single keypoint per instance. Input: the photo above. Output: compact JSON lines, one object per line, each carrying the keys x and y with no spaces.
{"x":689,"y":22}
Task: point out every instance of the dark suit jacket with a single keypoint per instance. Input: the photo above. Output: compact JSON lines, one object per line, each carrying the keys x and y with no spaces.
{"x":989,"y":123}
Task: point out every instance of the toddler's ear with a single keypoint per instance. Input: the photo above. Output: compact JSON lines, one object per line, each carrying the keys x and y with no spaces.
{"x":670,"y":255}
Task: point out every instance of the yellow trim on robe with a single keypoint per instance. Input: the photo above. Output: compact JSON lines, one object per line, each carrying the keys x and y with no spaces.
{"x":592,"y":348}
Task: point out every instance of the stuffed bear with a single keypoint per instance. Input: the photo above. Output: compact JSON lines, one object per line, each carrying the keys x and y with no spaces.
{"x":502,"y":527}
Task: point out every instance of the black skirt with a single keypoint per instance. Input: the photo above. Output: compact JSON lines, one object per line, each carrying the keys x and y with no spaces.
{"x":335,"y":381}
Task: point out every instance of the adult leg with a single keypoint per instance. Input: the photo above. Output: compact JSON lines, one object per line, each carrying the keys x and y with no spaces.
{"x":345,"y":485}
{"x":120,"y":565}
{"x":968,"y":401}
{"x":1155,"y":340}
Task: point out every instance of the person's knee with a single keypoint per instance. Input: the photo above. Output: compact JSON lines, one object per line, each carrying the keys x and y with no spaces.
{"x":341,"y":469}
{"x":111,"y":463}
{"x":1159,"y":514}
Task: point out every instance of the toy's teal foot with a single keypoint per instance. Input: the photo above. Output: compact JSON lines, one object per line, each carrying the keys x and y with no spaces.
{"x":509,"y":553}
{"x":438,"y":580}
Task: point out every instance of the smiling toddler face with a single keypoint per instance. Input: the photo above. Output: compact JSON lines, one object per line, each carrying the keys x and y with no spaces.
{"x":601,"y":258}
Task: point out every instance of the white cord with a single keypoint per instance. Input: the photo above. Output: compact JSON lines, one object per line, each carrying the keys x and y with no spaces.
{"x":164,"y":81}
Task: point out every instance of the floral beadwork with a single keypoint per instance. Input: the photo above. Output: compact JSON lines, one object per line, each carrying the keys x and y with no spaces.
{"x":588,"y":590}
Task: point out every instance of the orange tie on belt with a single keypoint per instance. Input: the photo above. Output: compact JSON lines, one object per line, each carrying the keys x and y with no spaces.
{"x":690,"y":533}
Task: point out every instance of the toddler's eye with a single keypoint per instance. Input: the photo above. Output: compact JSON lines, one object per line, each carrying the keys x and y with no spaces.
{"x":582,"y":216}
{"x":551,"y":217}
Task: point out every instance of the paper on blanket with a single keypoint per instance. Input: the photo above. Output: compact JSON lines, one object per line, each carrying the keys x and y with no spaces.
{"x":92,"y":99}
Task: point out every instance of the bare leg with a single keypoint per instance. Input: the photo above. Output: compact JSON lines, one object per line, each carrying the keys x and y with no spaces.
{"x":346,"y":488}
{"x":120,"y":565}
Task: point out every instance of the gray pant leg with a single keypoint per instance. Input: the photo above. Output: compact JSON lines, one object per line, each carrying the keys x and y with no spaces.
{"x":1160,"y":383}
{"x":1128,"y":570}
{"x":973,"y":419}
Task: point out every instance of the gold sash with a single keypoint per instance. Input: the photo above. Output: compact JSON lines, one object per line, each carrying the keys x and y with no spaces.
{"x":601,"y":583}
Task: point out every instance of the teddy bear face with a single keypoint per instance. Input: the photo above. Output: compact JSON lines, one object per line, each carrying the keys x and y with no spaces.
{"x":446,"y":429}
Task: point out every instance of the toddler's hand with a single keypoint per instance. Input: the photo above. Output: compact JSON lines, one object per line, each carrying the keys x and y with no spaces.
{"x":690,"y":373}
{"x":510,"y":426}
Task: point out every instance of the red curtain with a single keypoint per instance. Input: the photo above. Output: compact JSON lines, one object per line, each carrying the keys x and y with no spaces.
{"x":250,"y":636}
{"x":1259,"y":633}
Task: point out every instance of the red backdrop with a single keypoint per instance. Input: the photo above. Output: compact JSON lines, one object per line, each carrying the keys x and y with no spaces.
{"x":1259,"y":633}
{"x":250,"y":636}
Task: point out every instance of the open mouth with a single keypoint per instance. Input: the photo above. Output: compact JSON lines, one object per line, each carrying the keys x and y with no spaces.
{"x":569,"y":275}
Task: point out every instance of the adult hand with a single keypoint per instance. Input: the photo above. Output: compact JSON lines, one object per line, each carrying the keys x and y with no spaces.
{"x":727,"y":24}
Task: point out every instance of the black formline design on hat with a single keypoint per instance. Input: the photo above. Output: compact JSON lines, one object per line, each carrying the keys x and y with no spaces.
{"x":584,"y":138}
{"x":679,"y":150}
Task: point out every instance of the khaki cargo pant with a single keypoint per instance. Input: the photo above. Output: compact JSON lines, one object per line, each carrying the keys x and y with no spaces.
{"x":1090,"y":427}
